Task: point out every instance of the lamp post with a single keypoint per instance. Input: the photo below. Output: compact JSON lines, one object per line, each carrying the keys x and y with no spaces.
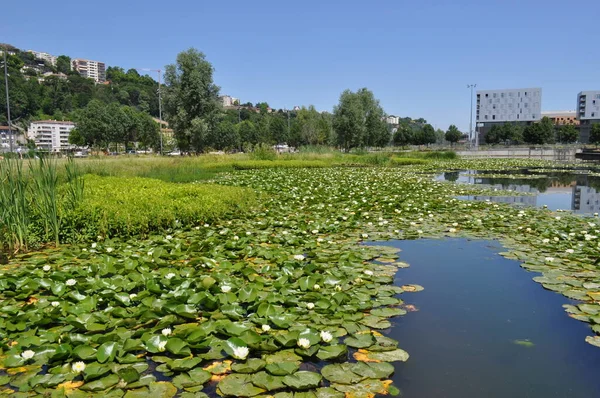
{"x":10,"y":138}
{"x":472,"y":86}
{"x":159,"y":104}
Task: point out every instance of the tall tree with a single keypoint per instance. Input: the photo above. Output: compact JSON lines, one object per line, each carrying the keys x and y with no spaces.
{"x":539,"y":133}
{"x":63,"y":64}
{"x":428,"y":135}
{"x":595,"y":134}
{"x":567,"y":134}
{"x":453,"y":135}
{"x":191,"y":100}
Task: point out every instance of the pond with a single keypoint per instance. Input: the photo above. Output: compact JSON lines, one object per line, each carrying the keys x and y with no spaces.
{"x":484,"y":328}
{"x":575,"y":190}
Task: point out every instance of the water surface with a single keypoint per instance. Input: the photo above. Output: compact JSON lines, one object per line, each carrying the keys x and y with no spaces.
{"x":475,"y":305}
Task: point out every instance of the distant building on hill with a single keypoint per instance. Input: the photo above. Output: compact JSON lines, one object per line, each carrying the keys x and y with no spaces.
{"x":51,"y":135}
{"x":90,"y":69}
{"x":51,"y":59}
{"x":227,"y":100}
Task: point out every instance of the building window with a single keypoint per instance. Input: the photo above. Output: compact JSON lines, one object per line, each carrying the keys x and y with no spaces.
{"x":494,"y":107}
{"x":494,"y":95}
{"x":525,"y":105}
{"x":593,"y":114}
{"x":501,"y":95}
{"x":526,"y":93}
{"x":486,"y":95}
{"x":533,"y":116}
{"x":485,"y":117}
{"x":493,"y":117}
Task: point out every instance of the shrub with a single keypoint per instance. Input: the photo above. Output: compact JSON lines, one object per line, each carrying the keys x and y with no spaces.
{"x":126,"y":207}
{"x":406,"y":161}
{"x":263,"y":152}
{"x":267,"y":164}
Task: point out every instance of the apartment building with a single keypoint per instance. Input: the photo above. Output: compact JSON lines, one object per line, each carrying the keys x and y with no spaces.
{"x":588,"y":112}
{"x":393,"y":120}
{"x":519,"y":106}
{"x":5,"y":135}
{"x":50,"y":135}
{"x":51,"y":59}
{"x":90,"y":69}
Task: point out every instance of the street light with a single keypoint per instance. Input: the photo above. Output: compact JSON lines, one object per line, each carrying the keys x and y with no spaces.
{"x":472,"y":86}
{"x":159,"y":104}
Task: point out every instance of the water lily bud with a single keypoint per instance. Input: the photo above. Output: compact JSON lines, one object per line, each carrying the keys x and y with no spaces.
{"x":310,"y":306}
{"x":225,"y":288}
{"x":46,"y":268}
{"x":316,"y":287}
{"x":303,"y":343}
{"x":266,"y":328}
{"x":166,"y":332}
{"x":326,"y":336}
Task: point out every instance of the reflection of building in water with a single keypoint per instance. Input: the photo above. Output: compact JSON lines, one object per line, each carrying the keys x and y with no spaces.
{"x":530,"y":200}
{"x":585,"y":200}
{"x":509,"y":187}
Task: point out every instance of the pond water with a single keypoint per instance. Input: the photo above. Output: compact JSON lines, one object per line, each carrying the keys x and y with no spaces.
{"x":576,"y":190}
{"x":475,"y":310}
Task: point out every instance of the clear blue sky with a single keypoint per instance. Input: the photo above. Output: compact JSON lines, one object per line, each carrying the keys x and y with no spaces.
{"x":416,"y":56}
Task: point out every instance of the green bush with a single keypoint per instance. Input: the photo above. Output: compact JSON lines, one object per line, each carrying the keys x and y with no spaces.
{"x":126,"y":207}
{"x":263,"y":152}
{"x":448,"y":155}
{"x":406,"y":161}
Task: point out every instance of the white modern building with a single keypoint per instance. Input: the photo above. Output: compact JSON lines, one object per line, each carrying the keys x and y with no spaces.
{"x":228,"y":100}
{"x":51,"y":59}
{"x":51,"y":135}
{"x":90,"y":69}
{"x":510,"y":105}
{"x":588,"y":112}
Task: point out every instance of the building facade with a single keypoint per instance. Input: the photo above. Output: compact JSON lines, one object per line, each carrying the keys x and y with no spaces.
{"x":227,"y":100}
{"x":393,"y":120}
{"x":90,"y":69}
{"x":561,"y":118}
{"x":51,"y":59}
{"x":522,"y":106}
{"x":588,"y":112}
{"x":51,"y":135}
{"x":5,"y":137}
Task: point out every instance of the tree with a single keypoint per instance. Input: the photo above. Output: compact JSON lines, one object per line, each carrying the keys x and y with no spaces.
{"x":595,"y":134}
{"x":403,"y":135}
{"x":453,"y":135}
{"x":63,"y":64}
{"x":247,"y":132}
{"x":358,"y":120}
{"x":428,"y":135}
{"x":191,"y":100}
{"x":567,"y":134}
{"x":539,"y":133}
{"x":493,"y":135}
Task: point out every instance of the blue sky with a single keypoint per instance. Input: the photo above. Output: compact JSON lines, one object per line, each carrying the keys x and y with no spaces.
{"x":416,"y":56}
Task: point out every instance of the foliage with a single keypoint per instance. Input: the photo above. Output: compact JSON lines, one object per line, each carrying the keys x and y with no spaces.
{"x":263,"y":152}
{"x":190,"y":100}
{"x":539,"y":133}
{"x":358,"y":121}
{"x":567,"y":134}
{"x":504,"y":133}
{"x":453,"y":134}
{"x":595,"y":134}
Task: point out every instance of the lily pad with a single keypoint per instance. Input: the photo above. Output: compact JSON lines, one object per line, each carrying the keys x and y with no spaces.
{"x":239,"y":385}
{"x":302,"y":380}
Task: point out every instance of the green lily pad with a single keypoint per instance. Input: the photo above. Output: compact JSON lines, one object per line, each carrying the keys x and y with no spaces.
{"x":101,"y":384}
{"x":252,"y":365}
{"x":302,"y":380}
{"x":239,"y":385}
{"x":331,"y":352}
{"x":267,"y":381}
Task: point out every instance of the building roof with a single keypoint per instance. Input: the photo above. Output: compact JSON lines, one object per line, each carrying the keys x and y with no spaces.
{"x":559,"y":113}
{"x":53,"y":122}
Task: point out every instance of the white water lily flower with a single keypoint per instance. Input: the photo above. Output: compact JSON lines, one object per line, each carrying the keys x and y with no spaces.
{"x":265,"y":328}
{"x":236,"y":237}
{"x":549,"y":259}
{"x":315,"y":231}
{"x":556,"y":238}
{"x":452,"y":230}
{"x":298,"y":257}
{"x":162,"y":346}
{"x":570,"y":251}
{"x":248,"y":233}
{"x":225,"y":288}
{"x":78,"y":367}
{"x":170,"y":275}
{"x":320,"y":240}
{"x":303,"y":343}
{"x":166,"y":332}
{"x":46,"y":268}
{"x":109,"y":249}
{"x":365,"y":236}
{"x":419,"y":231}
{"x":316,"y":287}
{"x":455,"y":224}
{"x":338,"y":288}
{"x":55,"y":304}
{"x":94,"y":245}
{"x":240,"y":352}
{"x":557,"y":217}
{"x":368,"y":272}
{"x":310,"y":306}
{"x":326,"y":336}
{"x":28,"y":354}
{"x":71,"y":282}
{"x":545,"y":240}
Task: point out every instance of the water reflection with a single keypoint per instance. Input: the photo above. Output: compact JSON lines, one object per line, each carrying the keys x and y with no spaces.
{"x":557,"y":190}
{"x":484,"y":329}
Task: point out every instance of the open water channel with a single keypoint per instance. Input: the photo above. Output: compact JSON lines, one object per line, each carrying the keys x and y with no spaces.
{"x":484,"y":328}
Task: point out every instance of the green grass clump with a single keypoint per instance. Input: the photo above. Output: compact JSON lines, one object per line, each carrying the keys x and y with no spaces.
{"x":126,"y":207}
{"x":442,"y":155}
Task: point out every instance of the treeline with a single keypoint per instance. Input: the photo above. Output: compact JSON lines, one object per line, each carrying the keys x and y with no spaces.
{"x":544,"y":132}
{"x":39,"y":90}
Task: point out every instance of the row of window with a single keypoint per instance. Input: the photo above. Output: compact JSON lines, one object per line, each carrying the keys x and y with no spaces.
{"x":486,"y":117}
{"x":510,"y":94}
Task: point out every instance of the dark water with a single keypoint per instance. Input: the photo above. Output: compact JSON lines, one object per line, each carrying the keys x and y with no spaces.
{"x":574,"y":191}
{"x":475,"y":305}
